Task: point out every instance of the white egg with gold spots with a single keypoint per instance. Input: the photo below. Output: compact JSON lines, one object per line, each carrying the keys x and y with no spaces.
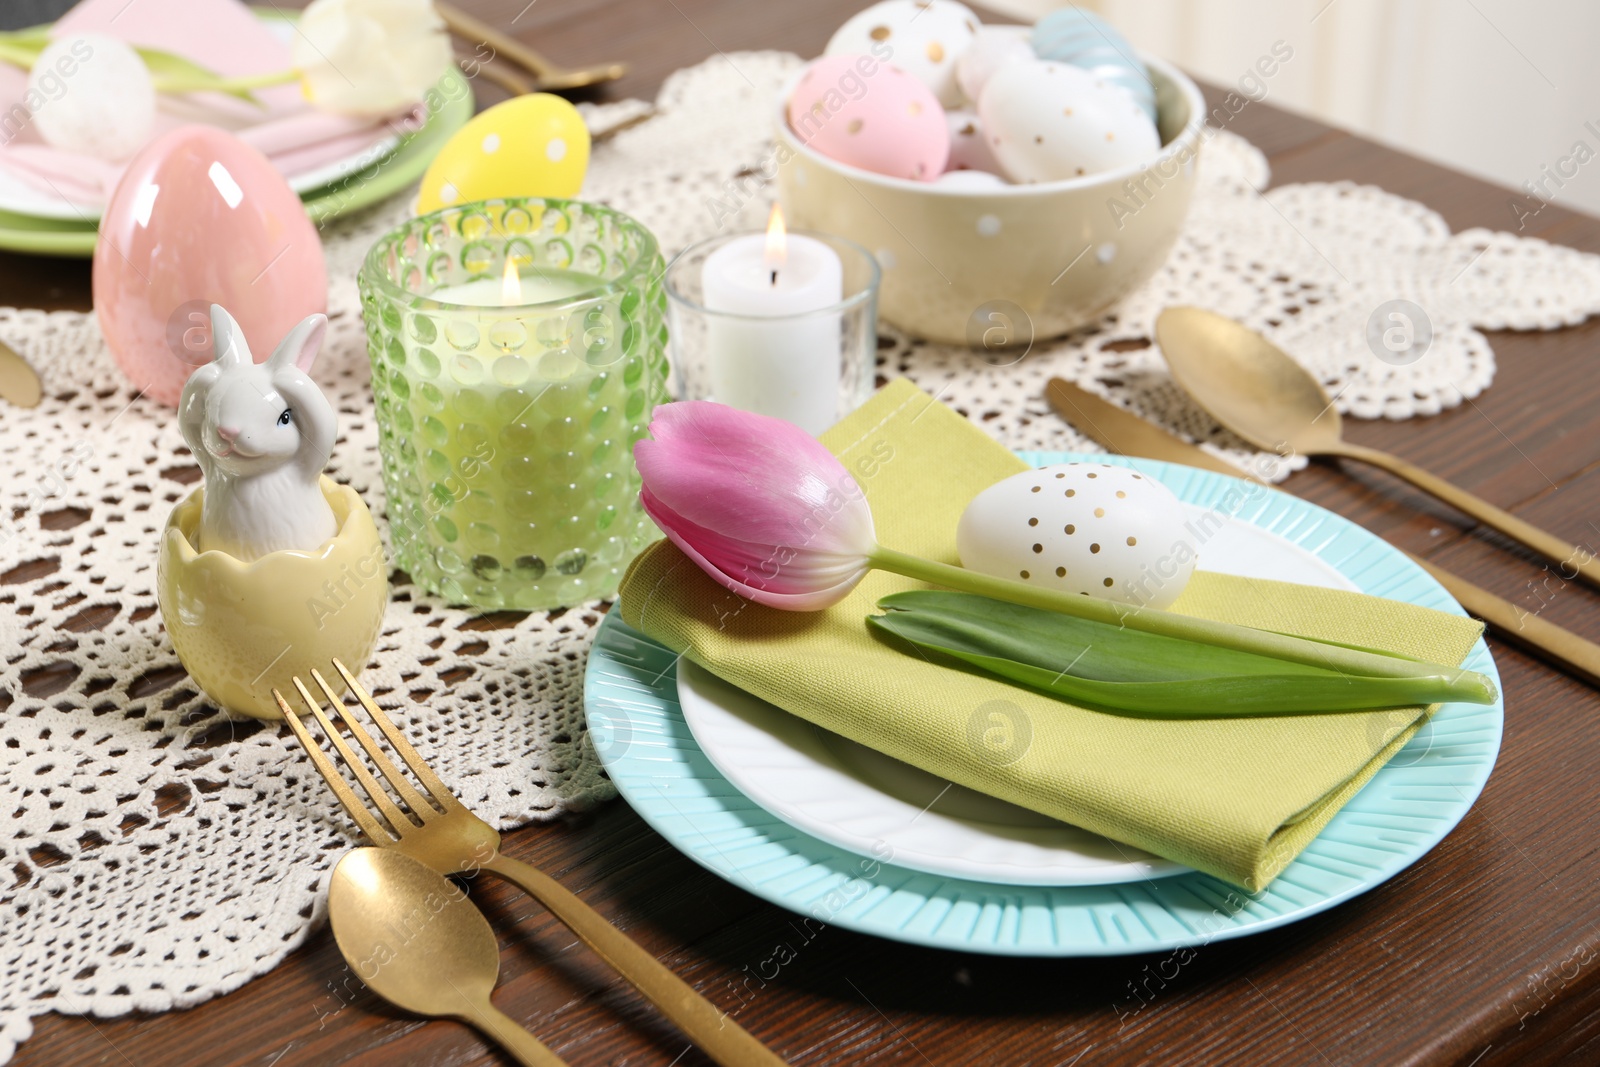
{"x":1090,"y":528}
{"x":924,"y":38}
{"x":534,"y":145}
{"x":1050,"y":121}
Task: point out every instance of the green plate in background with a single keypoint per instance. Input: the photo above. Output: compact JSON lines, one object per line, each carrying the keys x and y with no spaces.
{"x":387,"y":176}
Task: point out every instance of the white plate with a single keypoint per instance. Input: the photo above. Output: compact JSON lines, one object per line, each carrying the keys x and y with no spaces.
{"x":23,"y":198}
{"x":861,"y":800}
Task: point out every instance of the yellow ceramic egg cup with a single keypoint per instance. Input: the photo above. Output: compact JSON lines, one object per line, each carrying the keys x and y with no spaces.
{"x":243,"y":629}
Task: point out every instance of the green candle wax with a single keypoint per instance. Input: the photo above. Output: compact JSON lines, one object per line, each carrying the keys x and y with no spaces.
{"x":512,"y":430}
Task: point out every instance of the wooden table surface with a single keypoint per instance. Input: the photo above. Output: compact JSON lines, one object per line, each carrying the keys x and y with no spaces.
{"x":1485,"y":952}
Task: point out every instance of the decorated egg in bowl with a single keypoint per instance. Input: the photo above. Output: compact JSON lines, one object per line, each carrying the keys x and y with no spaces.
{"x":869,"y":114}
{"x":924,"y":38}
{"x":1059,"y":249}
{"x":1051,"y":121}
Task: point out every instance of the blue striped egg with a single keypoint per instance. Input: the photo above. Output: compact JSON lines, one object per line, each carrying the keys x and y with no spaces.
{"x":1071,"y":35}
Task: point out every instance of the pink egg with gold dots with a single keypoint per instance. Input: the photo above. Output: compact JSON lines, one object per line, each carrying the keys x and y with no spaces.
{"x":866,"y":113}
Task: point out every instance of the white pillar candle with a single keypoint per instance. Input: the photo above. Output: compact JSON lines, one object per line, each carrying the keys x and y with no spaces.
{"x":770,"y":351}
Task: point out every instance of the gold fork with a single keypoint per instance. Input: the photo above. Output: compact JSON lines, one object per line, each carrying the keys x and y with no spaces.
{"x":440,"y":832}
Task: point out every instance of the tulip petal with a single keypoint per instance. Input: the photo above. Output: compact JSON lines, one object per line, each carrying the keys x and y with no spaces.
{"x":770,"y":575}
{"x":757,"y":502}
{"x":753,"y":478}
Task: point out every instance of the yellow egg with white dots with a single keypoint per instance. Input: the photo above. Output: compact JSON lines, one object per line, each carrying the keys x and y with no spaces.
{"x":534,"y":145}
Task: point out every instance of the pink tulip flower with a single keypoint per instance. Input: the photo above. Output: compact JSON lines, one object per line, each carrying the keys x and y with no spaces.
{"x":758,"y":503}
{"x":769,"y":513}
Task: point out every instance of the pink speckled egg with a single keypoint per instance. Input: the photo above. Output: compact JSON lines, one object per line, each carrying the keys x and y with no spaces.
{"x":866,"y":113}
{"x":199,"y":217}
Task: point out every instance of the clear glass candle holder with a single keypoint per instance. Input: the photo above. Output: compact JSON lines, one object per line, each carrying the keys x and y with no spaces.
{"x":811,"y":367}
{"x":506,"y":424}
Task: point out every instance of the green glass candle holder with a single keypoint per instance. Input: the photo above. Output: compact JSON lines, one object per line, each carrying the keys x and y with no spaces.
{"x":506,"y":419}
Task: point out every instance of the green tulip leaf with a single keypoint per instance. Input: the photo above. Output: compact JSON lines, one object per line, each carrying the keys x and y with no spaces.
{"x":170,"y":72}
{"x":173,"y":73}
{"x":34,"y":38}
{"x":19,"y":52}
{"x":1123,"y":669}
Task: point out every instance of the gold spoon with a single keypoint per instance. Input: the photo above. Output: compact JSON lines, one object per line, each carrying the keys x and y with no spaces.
{"x":416,"y":940}
{"x":550,"y":76}
{"x":1256,"y":390}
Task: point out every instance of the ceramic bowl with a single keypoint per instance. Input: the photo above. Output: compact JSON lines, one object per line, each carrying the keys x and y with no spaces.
{"x":958,"y":264}
{"x":243,"y":629}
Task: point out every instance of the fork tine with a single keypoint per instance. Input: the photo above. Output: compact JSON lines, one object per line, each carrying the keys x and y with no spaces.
{"x":374,"y":788}
{"x":419,"y":767}
{"x":396,"y":777}
{"x":330,"y":774}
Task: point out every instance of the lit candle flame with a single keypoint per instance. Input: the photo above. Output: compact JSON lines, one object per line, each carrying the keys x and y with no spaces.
{"x":511,"y":284}
{"x":777,"y":243}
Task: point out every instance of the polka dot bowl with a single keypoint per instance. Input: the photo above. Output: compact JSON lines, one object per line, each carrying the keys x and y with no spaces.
{"x":507,"y":431}
{"x":1002,"y":266}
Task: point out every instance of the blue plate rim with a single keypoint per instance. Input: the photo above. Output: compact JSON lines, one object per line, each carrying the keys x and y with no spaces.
{"x":1141,"y":917}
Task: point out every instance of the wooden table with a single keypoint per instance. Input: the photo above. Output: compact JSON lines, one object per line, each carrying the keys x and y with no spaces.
{"x":1485,"y":952}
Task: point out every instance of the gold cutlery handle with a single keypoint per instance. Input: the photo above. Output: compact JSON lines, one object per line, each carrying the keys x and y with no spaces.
{"x":472,"y":26}
{"x":511,"y":83}
{"x":1579,"y":560}
{"x":713,"y":1030}
{"x":1546,"y":640}
{"x":550,"y":76}
{"x":512,"y":1036}
{"x":1124,"y":432}
{"x":19,"y":382}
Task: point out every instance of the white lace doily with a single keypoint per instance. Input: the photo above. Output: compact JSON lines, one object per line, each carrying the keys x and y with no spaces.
{"x":158,"y":854}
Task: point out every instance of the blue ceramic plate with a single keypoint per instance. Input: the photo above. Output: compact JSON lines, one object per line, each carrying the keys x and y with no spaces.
{"x":1407,"y":808}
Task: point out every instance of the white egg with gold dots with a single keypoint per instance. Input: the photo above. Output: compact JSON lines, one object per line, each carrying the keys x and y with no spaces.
{"x":1090,"y":528}
{"x":924,"y":38}
{"x":1050,"y":122}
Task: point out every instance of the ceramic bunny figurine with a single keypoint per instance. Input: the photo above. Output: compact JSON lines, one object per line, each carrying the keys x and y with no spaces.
{"x":261,"y":434}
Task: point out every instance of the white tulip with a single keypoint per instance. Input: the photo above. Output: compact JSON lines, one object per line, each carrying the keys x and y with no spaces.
{"x":370,"y":57}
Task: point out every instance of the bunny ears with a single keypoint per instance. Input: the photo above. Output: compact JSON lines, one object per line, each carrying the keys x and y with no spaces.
{"x":298,"y":349}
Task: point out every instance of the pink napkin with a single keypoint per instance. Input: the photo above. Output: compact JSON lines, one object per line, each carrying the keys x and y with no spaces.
{"x":224,"y":36}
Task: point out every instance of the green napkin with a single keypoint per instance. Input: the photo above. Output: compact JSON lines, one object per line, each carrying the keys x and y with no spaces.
{"x":1237,"y":798}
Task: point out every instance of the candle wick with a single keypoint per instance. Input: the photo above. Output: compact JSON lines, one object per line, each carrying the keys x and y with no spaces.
{"x":774,"y":277}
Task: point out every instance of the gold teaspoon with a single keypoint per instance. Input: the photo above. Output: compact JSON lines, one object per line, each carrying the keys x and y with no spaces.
{"x":415,"y":939}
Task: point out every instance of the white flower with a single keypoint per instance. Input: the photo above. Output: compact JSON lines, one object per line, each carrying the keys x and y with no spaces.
{"x":370,"y":57}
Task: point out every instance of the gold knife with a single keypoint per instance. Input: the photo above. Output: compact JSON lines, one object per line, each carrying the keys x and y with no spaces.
{"x":1126,"y":433}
